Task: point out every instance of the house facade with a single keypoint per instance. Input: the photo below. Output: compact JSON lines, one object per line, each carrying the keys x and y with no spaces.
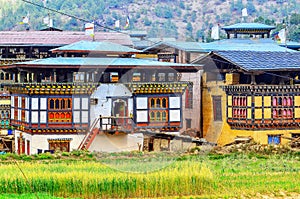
{"x":100,"y":102}
{"x":250,"y":94}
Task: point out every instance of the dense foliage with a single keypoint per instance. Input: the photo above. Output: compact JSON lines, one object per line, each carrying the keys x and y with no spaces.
{"x":185,"y":20}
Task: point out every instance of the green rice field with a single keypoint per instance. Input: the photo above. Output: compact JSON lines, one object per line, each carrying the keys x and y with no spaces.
{"x":152,"y":176}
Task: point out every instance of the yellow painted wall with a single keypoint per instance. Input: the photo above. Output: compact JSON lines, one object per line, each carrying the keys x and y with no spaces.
{"x":221,"y":132}
{"x":212,"y":129}
{"x":228,"y":135}
{"x":5,"y":102}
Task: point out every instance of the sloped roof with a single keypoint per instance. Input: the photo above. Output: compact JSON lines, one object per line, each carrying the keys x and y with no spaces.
{"x":95,"y":46}
{"x":248,"y":26}
{"x":59,"y":38}
{"x":261,"y":61}
{"x":222,"y":45}
{"x":292,"y":45}
{"x":244,"y":45}
{"x":88,"y":62}
{"x":181,"y":45}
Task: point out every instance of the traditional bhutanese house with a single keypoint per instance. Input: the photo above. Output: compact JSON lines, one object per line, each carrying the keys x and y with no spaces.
{"x":250,"y":94}
{"x":94,"y":102}
{"x":184,"y":52}
{"x":253,"y":29}
{"x":20,"y":46}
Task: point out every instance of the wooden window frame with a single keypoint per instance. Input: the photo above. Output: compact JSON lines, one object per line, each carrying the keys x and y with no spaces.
{"x":217,"y":108}
{"x":282,"y":107}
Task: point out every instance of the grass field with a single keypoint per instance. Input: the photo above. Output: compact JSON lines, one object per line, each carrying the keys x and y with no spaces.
{"x":158,"y":175}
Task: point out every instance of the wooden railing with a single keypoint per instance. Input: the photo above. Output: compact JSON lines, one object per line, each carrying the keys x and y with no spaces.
{"x":106,"y":124}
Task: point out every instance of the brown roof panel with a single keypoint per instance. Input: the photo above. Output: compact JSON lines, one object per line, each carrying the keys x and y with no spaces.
{"x":59,"y":38}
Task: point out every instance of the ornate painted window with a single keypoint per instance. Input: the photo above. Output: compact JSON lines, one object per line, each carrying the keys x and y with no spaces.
{"x":59,"y":144}
{"x":60,"y":110}
{"x":158,"y":102}
{"x":282,"y":107}
{"x":60,"y":103}
{"x":158,"y":109}
{"x":239,"y":108}
{"x":189,"y":97}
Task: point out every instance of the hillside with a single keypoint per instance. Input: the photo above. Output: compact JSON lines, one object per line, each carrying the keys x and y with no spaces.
{"x":185,"y":20}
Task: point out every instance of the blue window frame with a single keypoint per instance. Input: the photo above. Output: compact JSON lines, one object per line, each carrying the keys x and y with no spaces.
{"x":274,"y":139}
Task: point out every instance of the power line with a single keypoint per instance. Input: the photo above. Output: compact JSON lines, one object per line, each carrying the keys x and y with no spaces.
{"x":24,"y":175}
{"x":72,"y":16}
{"x":78,"y":18}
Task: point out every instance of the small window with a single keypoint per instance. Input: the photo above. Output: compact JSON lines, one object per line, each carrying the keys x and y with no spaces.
{"x":136,"y":77}
{"x":161,"y":77}
{"x":171,"y":77}
{"x":274,"y":139}
{"x":188,"y":123}
{"x":217,"y":108}
{"x":51,"y":104}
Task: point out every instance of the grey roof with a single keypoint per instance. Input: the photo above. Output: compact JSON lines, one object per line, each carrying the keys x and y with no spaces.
{"x":59,"y":38}
{"x":237,"y":44}
{"x":248,"y":26}
{"x":95,"y":46}
{"x":222,"y":45}
{"x":262,"y":61}
{"x":181,"y":45}
{"x":88,"y":62}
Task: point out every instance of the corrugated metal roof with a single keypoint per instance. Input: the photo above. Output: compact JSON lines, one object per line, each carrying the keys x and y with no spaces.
{"x":59,"y":38}
{"x":244,"y":45}
{"x":223,"y":45}
{"x":262,"y":61}
{"x":248,"y":26}
{"x":99,"y":62}
{"x":181,"y":45}
{"x":96,"y":46}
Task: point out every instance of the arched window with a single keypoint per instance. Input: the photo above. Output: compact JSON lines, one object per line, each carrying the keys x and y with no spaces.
{"x":152,"y":101}
{"x":164,"y":102}
{"x":158,"y":103}
{"x":235,"y":101}
{"x":62,"y":116}
{"x":234,"y":113}
{"x":164,"y":116}
{"x":69,"y":103}
{"x":158,"y":116}
{"x":289,"y":113}
{"x":63,"y":103}
{"x":275,"y":113}
{"x":274,"y":101}
{"x":57,"y":104}
{"x":152,"y":116}
{"x":279,"y":101}
{"x":284,"y":113}
{"x":279,"y":112}
{"x":284,"y":101}
{"x":1,"y":76}
{"x":51,"y":103}
{"x":289,"y":101}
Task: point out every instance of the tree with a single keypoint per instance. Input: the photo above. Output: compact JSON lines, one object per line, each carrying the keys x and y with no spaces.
{"x":147,"y":22}
{"x":295,"y":19}
{"x":194,"y":16}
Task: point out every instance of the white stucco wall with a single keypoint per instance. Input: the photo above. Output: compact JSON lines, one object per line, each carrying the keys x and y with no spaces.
{"x":104,"y":93}
{"x":117,"y":143}
{"x":41,"y":141}
{"x":192,"y":113}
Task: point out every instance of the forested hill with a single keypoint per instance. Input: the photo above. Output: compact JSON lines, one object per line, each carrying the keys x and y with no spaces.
{"x":186,"y":20}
